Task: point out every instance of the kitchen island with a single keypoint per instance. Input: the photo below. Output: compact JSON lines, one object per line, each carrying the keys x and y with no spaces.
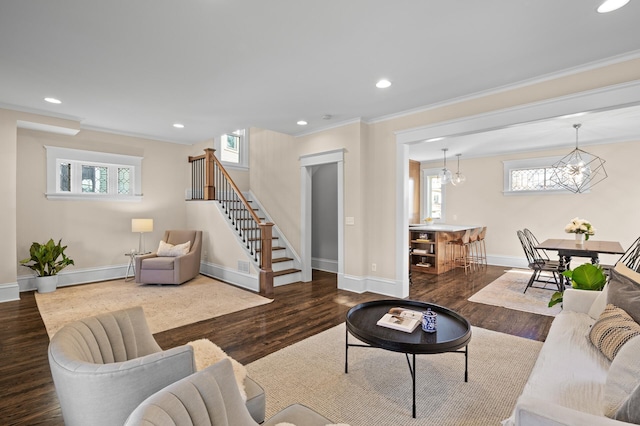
{"x":428,"y":246}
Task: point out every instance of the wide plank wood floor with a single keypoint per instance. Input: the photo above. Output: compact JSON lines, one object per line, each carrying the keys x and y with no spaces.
{"x":299,"y":311}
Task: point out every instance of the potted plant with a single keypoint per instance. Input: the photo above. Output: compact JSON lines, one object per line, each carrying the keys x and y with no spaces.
{"x":48,"y":259}
{"x":585,"y":277}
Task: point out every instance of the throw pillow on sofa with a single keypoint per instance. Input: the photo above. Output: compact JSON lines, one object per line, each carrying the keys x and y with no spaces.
{"x":612,"y":330}
{"x":624,"y":290}
{"x":622,"y":389}
{"x":169,"y":250}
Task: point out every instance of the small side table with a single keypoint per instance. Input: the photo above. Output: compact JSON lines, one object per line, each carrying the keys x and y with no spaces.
{"x":131,"y":266}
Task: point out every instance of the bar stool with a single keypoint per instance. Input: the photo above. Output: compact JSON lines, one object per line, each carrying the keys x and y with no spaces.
{"x":458,"y":252}
{"x":479,"y":249}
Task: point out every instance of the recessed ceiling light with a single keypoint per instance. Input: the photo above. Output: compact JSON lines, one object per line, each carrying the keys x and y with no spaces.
{"x":611,"y":5}
{"x":434,"y":139}
{"x":178,"y":125}
{"x":53,"y":100}
{"x":383,"y":84}
{"x":302,"y":123}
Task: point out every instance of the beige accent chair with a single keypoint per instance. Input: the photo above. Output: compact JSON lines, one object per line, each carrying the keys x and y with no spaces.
{"x":211,"y":397}
{"x":152,"y":269}
{"x":104,"y":366}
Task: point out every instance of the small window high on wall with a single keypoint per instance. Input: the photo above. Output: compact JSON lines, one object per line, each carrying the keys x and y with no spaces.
{"x":233,"y":149}
{"x":531,"y":175}
{"x":78,"y":174}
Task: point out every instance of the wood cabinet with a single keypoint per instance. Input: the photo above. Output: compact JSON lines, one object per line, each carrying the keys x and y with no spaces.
{"x":428,"y":247}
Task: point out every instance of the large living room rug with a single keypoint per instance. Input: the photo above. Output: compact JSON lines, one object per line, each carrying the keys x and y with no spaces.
{"x":377,"y":390}
{"x":165,"y":307}
{"x":507,"y":291}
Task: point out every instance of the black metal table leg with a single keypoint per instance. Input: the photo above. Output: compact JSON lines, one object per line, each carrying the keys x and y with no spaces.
{"x":346,"y":352}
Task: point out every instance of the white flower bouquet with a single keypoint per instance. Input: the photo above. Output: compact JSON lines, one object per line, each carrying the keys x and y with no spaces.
{"x":580,"y":226}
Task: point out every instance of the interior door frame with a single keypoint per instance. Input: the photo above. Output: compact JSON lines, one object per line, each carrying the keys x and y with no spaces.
{"x":307,"y":162}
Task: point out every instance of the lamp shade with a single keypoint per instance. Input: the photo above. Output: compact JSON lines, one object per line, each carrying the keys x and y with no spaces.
{"x":141,"y":225}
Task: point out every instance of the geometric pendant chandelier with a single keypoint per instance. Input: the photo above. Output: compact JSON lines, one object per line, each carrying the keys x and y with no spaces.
{"x":578,"y":170}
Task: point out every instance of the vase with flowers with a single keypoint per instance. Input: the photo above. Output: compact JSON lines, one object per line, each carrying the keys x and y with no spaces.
{"x":582,"y":228}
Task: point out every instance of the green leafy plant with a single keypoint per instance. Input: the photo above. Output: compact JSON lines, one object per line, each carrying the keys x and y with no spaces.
{"x":48,"y":259}
{"x":584,"y":277}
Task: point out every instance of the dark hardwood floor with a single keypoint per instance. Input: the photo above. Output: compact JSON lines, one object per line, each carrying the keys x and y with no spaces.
{"x":27,"y":395}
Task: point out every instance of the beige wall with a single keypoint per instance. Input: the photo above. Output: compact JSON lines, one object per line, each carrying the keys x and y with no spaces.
{"x":8,"y":196}
{"x":97,"y":233}
{"x":610,"y":205}
{"x":370,"y":177}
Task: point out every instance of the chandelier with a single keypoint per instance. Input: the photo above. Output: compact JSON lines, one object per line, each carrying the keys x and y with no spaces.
{"x":578,"y":170}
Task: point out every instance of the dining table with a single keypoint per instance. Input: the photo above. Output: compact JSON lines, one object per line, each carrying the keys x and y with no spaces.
{"x":571,"y":248}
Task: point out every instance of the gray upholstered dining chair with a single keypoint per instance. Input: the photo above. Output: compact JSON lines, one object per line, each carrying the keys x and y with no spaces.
{"x":104,"y":366}
{"x":211,"y":397}
{"x":154,"y":269}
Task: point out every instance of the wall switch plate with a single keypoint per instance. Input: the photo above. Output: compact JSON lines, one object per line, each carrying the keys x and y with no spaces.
{"x":349,"y":220}
{"x":374,"y":267}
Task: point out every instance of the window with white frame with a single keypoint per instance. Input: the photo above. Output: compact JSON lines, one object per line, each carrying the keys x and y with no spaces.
{"x":79,"y":174}
{"x":233,"y":149}
{"x":531,"y":175}
{"x":433,"y":195}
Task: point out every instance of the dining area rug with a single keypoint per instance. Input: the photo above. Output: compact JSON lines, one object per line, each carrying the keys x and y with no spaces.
{"x":165,"y":306}
{"x":377,"y":389}
{"x":508,"y":291}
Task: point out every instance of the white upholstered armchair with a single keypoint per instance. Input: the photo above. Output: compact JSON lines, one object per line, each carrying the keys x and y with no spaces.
{"x":104,"y":366}
{"x":155,"y":268}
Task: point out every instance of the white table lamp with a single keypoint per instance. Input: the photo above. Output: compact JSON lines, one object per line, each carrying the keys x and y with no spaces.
{"x":141,"y":226}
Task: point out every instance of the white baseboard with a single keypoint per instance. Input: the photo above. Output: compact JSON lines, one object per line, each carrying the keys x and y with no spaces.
{"x":510,"y":261}
{"x":327,"y":265}
{"x":78,"y":276}
{"x":231,"y":276}
{"x":9,"y":292}
{"x":373,"y":284}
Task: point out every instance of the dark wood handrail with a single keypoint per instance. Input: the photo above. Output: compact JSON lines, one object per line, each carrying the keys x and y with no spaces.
{"x":235,"y":188}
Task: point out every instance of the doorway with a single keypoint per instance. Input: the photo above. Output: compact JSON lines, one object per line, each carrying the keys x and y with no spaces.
{"x":309,"y":164}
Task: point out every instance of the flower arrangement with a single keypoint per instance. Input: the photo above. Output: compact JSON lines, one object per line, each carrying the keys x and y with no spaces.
{"x":580,"y":226}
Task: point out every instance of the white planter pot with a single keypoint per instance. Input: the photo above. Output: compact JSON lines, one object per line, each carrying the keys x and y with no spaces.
{"x":47,"y":284}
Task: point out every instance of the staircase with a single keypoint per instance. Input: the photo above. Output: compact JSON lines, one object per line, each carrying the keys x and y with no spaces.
{"x":285,"y":267}
{"x":210,"y":181}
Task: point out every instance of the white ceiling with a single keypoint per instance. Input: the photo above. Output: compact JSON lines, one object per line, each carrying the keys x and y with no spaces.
{"x":138,"y":66}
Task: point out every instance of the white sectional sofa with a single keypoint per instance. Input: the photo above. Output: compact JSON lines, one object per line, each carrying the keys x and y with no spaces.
{"x":568,"y":384}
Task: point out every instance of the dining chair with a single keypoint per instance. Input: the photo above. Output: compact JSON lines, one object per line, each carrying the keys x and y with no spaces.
{"x":538,"y":265}
{"x":630,"y":258}
{"x":539,"y":253}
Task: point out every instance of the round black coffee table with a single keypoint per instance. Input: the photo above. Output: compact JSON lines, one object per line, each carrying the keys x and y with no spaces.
{"x":453,"y":332}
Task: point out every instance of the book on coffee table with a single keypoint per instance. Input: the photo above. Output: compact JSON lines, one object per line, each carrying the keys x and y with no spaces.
{"x":401,"y":319}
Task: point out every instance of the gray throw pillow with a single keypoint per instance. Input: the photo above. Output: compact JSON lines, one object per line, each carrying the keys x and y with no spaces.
{"x":630,"y":410}
{"x":624,"y":290}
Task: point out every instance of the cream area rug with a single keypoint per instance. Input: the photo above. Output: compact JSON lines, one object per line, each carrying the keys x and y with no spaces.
{"x":165,"y":307}
{"x":507,"y":291}
{"x":377,"y":390}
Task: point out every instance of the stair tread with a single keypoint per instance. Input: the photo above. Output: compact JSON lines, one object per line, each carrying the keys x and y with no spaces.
{"x":258,"y":239}
{"x":273,"y":248}
{"x":285,"y":272}
{"x":281,"y":259}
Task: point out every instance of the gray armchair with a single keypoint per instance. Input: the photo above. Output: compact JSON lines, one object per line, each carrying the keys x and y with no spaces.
{"x":211,"y":397}
{"x":151,"y":269}
{"x":104,"y":366}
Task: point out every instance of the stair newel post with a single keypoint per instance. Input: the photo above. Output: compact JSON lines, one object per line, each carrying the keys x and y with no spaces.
{"x":209,"y":184}
{"x":266,"y":270}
